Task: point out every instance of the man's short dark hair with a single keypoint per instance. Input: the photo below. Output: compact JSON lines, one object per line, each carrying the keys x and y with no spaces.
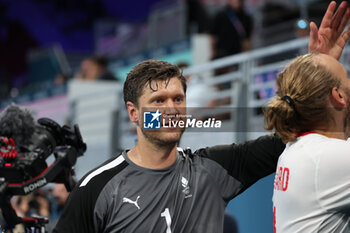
{"x":145,"y":73}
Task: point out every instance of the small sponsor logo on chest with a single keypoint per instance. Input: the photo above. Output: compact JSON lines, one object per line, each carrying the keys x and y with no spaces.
{"x":186,"y":187}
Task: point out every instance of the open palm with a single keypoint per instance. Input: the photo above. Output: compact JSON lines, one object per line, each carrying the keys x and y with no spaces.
{"x":330,"y":38}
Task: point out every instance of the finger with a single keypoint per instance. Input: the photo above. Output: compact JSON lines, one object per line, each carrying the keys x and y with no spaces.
{"x":344,"y":21}
{"x":313,"y":37}
{"x":346,"y":35}
{"x":338,"y":16}
{"x":342,"y":41}
{"x":327,"y":18}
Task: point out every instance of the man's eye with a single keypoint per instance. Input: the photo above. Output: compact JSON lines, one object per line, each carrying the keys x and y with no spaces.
{"x":178,"y":99}
{"x":158,"y":101}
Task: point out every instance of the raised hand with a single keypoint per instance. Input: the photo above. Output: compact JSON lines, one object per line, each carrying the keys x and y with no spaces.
{"x":330,"y":38}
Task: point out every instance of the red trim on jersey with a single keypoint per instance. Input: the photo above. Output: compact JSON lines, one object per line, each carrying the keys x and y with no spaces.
{"x":301,"y":134}
{"x":274,"y":219}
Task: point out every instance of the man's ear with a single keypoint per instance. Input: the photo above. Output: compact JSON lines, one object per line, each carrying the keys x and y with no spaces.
{"x":132,"y":111}
{"x":338,"y":97}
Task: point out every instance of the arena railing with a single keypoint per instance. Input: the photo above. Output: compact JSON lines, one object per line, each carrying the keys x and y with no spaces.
{"x":253,"y":83}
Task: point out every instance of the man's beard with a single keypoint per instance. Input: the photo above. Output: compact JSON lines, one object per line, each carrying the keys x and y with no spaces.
{"x":154,"y":136}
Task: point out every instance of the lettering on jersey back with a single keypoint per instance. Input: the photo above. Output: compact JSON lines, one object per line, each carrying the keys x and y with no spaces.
{"x":281,"y":179}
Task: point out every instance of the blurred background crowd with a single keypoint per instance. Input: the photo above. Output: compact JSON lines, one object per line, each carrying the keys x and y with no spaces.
{"x":44,"y":42}
{"x":67,"y":60}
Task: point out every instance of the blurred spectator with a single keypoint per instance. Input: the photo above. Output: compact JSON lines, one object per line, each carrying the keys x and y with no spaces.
{"x":61,"y":194}
{"x":231,"y":30}
{"x":61,"y":79}
{"x":197,"y":16}
{"x":35,"y":203}
{"x":39,"y":205}
{"x":21,"y":205}
{"x":42,"y":202}
{"x":95,"y":68}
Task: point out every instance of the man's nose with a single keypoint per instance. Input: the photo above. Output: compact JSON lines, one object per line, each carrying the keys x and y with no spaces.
{"x":170,"y":107}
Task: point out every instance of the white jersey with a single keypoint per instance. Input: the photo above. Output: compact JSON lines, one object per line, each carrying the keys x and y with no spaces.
{"x":312,"y":186}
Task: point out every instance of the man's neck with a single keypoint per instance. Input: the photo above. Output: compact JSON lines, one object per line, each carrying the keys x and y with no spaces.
{"x":148,"y":155}
{"x":338,"y":127}
{"x":332,"y":134}
{"x":333,"y":131}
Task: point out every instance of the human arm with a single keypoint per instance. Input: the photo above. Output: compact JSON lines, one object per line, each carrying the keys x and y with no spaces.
{"x":330,"y":38}
{"x":247,"y":162}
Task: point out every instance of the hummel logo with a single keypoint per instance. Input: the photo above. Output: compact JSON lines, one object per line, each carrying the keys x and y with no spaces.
{"x":184,"y":182}
{"x":127,"y":200}
{"x":186,"y":189}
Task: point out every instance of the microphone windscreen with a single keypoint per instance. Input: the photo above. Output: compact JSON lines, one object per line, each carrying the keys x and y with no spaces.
{"x":17,"y":123}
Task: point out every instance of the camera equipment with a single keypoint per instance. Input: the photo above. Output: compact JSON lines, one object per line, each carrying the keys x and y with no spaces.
{"x":24,"y":147}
